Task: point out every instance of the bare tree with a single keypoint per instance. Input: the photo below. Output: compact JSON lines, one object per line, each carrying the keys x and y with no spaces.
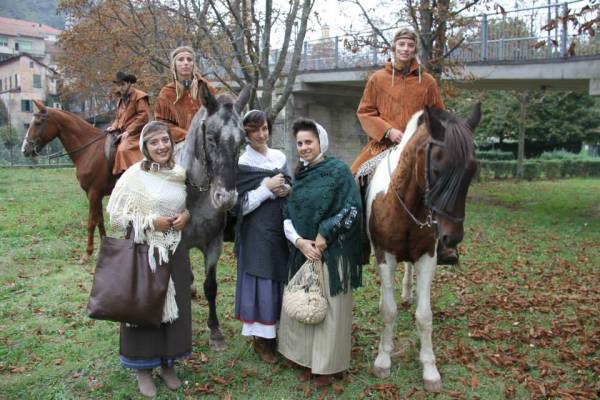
{"x":432,"y":21}
{"x":240,"y":41}
{"x":241,"y":45}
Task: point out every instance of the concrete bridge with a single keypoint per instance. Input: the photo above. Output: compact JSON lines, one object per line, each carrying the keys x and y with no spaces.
{"x":508,"y":51}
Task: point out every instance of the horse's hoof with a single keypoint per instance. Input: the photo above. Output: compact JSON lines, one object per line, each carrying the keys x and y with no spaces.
{"x":381,"y":373}
{"x":216,"y":342}
{"x":84,"y":259}
{"x":217,"y":345}
{"x":433,"y":386}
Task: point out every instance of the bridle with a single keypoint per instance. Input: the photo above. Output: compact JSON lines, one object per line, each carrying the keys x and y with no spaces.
{"x":431,"y":196}
{"x":206,"y":164}
{"x":36,"y":146}
{"x":209,"y":175}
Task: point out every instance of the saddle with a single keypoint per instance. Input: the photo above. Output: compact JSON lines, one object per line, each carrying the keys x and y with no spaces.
{"x":110,"y":146}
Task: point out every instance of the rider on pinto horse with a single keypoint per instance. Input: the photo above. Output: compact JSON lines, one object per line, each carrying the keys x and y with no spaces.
{"x":392,"y":95}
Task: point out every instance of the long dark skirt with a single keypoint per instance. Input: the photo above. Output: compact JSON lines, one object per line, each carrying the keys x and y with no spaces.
{"x":257,"y":299}
{"x":145,"y":348}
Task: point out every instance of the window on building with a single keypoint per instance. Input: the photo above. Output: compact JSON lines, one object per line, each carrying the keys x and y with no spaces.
{"x":26,"y":105}
{"x":16,"y":81}
{"x":23,"y":45}
{"x":10,"y":77}
{"x":1,"y":85}
{"x":26,"y":127}
{"x":37,"y":81}
{"x":30,"y":64}
{"x":3,"y":41}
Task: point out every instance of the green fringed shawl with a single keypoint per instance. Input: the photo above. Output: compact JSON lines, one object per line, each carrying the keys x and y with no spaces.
{"x":325,"y":200}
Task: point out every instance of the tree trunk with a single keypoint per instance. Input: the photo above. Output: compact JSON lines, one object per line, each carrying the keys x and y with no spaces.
{"x":524,"y":102}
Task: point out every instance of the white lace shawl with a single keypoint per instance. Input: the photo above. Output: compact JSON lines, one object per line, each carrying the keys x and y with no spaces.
{"x":138,"y":198}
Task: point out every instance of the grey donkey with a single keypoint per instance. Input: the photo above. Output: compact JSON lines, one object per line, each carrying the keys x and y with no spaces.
{"x":210,"y":155}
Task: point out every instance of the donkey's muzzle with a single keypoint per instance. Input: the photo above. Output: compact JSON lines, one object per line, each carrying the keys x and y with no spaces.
{"x":224,"y":200}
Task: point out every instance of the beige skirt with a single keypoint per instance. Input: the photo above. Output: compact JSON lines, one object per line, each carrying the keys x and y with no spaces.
{"x":325,"y":348}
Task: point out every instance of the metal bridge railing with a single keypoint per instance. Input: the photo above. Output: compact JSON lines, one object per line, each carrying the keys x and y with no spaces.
{"x":512,"y":36}
{"x":517,"y":35}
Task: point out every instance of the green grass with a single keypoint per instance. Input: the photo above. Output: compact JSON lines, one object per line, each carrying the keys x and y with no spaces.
{"x":517,"y":319}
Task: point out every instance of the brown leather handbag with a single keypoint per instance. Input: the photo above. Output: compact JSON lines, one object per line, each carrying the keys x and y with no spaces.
{"x":125,"y":289}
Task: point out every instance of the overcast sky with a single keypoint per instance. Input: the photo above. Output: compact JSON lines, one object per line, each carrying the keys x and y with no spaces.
{"x":343,"y":16}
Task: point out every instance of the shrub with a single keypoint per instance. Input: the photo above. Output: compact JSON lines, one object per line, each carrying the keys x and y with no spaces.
{"x":532,"y":169}
{"x":539,"y":169}
{"x":565,"y":155}
{"x":494,"y":155}
{"x":551,"y":168}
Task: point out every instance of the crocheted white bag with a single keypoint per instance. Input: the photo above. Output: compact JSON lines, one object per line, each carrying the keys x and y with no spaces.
{"x":303,"y":297}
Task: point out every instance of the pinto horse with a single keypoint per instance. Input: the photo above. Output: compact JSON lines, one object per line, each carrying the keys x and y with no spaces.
{"x":416,"y":198}
{"x":84,"y":144}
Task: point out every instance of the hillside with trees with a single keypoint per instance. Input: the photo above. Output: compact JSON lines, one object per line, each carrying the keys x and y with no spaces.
{"x":42,"y":11}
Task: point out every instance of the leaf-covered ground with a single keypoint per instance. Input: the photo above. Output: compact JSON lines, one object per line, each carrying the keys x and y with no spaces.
{"x":519,"y":318}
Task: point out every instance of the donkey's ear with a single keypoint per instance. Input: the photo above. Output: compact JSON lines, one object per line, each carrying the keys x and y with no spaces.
{"x":436,"y":128}
{"x":40,"y":106}
{"x":243,"y":98}
{"x":475,"y":116}
{"x":208,"y":100}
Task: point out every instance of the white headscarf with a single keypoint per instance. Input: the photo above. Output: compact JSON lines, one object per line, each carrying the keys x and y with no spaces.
{"x":323,"y":143}
{"x":155,"y":126}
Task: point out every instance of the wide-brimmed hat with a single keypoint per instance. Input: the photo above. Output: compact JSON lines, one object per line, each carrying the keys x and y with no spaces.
{"x":125,"y":77}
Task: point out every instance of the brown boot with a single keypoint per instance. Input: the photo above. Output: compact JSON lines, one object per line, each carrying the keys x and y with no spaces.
{"x":327,"y":380}
{"x":146,"y":383}
{"x":170,"y":377}
{"x":305,"y":375}
{"x":262,"y":347}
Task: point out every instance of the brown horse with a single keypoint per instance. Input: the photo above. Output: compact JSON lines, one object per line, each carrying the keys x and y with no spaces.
{"x":85,"y":146}
{"x":415,"y":203}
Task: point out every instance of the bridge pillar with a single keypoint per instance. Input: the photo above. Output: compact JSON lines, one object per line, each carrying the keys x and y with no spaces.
{"x":594,"y":86}
{"x":335,"y":111}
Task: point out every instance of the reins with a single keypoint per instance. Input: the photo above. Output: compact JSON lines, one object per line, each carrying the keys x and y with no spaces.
{"x":206,"y":186}
{"x":68,"y":153}
{"x":58,"y":154}
{"x":429,"y":221}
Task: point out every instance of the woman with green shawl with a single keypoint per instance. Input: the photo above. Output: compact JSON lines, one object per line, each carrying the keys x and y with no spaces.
{"x":323,"y":221}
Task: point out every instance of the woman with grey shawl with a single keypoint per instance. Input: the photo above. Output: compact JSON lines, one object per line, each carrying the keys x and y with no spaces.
{"x":260,"y":245}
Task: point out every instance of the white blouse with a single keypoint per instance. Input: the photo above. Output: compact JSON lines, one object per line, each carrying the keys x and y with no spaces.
{"x":272,"y":160}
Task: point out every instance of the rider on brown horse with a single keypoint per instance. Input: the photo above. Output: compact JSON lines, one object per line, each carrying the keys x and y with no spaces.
{"x":132,"y":114}
{"x":392,"y":95}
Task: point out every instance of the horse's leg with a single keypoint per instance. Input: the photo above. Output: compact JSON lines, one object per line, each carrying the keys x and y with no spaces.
{"x":407,"y":297}
{"x":387,"y":307}
{"x":216,"y":339}
{"x":100,"y":219}
{"x":94,"y":203}
{"x":425,"y":267}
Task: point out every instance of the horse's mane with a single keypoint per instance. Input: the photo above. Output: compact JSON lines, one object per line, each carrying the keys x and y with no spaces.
{"x":71,"y":115}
